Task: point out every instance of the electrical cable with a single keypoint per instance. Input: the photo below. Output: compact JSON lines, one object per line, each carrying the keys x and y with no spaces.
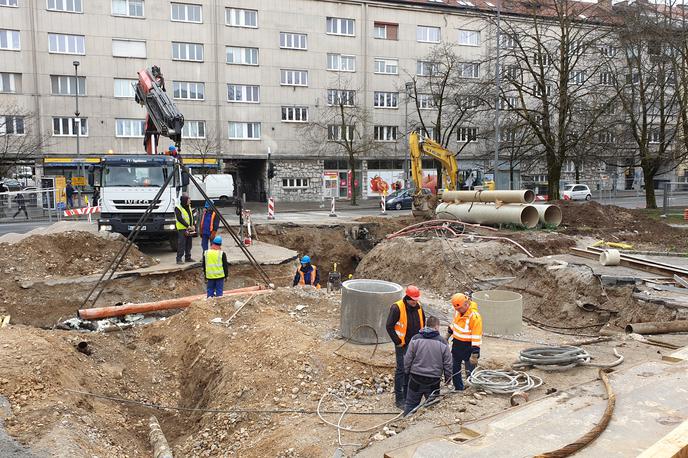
{"x":502,"y":381}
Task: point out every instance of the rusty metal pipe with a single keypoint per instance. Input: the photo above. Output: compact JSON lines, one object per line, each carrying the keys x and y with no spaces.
{"x":181,"y":302}
{"x":658,"y":327}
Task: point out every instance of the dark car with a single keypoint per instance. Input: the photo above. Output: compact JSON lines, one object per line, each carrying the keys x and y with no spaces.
{"x":403,"y":198}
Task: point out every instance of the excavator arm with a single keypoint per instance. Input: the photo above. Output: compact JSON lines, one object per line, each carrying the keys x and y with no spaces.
{"x":450,"y":168}
{"x":163,"y":117}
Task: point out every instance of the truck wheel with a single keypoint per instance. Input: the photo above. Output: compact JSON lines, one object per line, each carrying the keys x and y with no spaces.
{"x":224,"y":198}
{"x":173,"y":243}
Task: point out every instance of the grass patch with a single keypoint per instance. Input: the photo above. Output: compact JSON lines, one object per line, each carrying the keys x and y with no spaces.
{"x":674,"y":215}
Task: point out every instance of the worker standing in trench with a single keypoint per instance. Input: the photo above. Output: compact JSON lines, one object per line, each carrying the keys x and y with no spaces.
{"x":467,"y":331}
{"x":216,"y":267}
{"x":405,"y":319}
{"x":307,"y":274}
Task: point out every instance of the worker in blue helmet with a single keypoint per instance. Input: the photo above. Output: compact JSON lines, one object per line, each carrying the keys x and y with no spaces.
{"x":215,"y":267}
{"x":172,"y":151}
{"x":307,"y":274}
{"x":208,"y":224}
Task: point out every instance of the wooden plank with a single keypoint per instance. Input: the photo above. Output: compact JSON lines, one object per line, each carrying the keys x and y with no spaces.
{"x":681,"y":281}
{"x":673,"y":445}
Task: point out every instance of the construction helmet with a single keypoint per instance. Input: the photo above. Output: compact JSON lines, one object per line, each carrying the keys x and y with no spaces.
{"x":217,"y":240}
{"x":413,"y":292}
{"x":459,"y":300}
{"x":306,"y":259}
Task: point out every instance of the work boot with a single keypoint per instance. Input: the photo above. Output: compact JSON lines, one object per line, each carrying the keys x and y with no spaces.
{"x":190,"y":260}
{"x":400,"y":404}
{"x":179,"y":261}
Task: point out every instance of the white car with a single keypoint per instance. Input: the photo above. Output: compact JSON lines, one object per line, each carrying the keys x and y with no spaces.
{"x":576,"y":192}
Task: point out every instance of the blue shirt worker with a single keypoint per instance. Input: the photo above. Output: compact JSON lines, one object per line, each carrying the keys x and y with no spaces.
{"x":307,"y":274}
{"x":208,"y":225}
{"x":215,"y":267}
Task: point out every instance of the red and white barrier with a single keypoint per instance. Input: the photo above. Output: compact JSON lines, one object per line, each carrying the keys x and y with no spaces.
{"x":541,"y":197}
{"x":82,"y":211}
{"x":383,"y":205}
{"x":247,"y":221}
{"x":271,"y":208}
{"x":332,"y":212}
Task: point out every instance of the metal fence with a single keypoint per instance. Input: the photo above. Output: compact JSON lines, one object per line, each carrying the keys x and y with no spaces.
{"x":31,"y":204}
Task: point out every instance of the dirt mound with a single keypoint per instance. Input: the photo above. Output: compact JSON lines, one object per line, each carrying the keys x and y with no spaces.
{"x":613,"y":223}
{"x":67,"y":254}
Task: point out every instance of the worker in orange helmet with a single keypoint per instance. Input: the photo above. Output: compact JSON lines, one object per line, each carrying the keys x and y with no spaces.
{"x":466,"y":330}
{"x":405,"y":319}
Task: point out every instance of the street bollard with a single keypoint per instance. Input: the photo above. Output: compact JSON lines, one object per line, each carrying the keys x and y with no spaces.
{"x":332,"y":212}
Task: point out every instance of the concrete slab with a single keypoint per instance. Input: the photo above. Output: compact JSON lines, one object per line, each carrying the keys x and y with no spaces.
{"x":651,"y":402}
{"x":599,"y":269}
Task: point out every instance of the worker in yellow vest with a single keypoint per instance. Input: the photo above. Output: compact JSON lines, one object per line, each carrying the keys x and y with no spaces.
{"x":405,"y":319}
{"x":215,"y":267}
{"x":466,"y":330}
{"x":185,"y":229}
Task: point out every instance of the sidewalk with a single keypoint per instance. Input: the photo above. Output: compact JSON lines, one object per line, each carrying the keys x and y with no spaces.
{"x":340,"y":205}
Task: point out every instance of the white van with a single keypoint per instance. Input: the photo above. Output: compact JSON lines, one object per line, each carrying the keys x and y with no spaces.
{"x":217,"y":186}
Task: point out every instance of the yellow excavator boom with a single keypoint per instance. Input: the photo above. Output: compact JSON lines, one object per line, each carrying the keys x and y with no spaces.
{"x":450,"y":168}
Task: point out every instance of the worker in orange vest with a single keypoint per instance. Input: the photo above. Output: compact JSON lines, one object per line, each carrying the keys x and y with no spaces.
{"x":466,"y":330}
{"x":307,"y":274}
{"x":208,"y":225}
{"x":405,"y":319}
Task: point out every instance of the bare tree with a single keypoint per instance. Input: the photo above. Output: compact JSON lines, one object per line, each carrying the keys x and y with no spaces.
{"x":205,"y":148}
{"x":550,"y":73}
{"x":20,"y":143}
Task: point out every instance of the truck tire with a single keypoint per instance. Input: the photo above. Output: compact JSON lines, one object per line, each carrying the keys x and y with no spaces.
{"x":224,"y":198}
{"x":173,"y":242}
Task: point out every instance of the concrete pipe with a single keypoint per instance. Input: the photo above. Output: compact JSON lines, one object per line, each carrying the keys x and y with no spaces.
{"x":525,"y":215}
{"x":658,"y":327}
{"x":502,"y":311}
{"x":549,"y":214}
{"x":610,"y":258}
{"x":524,"y":196}
{"x":365,"y":305}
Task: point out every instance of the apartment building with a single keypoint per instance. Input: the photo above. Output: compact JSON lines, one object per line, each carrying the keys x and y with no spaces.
{"x":246,"y":74}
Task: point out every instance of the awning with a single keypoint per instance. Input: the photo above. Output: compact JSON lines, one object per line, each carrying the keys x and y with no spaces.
{"x":199,"y":162}
{"x":68,"y":161}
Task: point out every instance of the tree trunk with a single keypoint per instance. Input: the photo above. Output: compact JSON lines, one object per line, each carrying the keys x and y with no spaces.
{"x":352,"y":169}
{"x":553,"y":176}
{"x":649,"y":178}
{"x":511,"y":175}
{"x":577,"y":174}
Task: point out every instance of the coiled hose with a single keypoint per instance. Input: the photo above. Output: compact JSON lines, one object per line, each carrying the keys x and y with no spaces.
{"x":559,"y":358}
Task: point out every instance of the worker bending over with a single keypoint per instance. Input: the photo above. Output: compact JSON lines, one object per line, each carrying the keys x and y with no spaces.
{"x":427,"y":357}
{"x":405,"y":319}
{"x":467,"y":331}
{"x":215,"y":267}
{"x":307,"y":274}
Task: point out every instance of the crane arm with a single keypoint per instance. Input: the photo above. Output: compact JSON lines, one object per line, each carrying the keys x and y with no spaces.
{"x":433,"y":149}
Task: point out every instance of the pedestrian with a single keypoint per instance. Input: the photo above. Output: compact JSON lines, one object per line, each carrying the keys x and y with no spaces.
{"x":215,"y":267}
{"x":185,"y":229}
{"x":21,"y":205}
{"x":427,"y":357}
{"x":208,"y":225}
{"x":466,"y":331}
{"x":69,"y":192}
{"x":307,"y":274}
{"x":96,"y":196}
{"x":405,"y":319}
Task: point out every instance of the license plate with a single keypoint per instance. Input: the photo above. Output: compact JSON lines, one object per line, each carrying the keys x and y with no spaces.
{"x":131,"y":228}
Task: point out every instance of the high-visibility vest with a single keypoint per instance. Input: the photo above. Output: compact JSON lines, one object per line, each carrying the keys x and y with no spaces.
{"x":186,"y":216}
{"x":212,"y":222}
{"x":213,"y":264}
{"x":302,"y":281}
{"x":402,"y":325}
{"x":469,"y":326}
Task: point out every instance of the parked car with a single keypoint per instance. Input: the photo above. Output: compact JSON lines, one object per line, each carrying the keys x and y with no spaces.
{"x":576,"y":191}
{"x":403,"y":198}
{"x":11,"y":184}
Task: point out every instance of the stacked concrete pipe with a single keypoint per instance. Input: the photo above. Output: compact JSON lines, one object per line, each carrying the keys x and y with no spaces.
{"x":365,"y":307}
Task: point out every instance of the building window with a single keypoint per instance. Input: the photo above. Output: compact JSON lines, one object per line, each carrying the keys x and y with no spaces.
{"x":186,"y":12}
{"x":295,"y":114}
{"x":66,"y":44}
{"x":188,"y":90}
{"x":129,"y":128}
{"x":427,"y":68}
{"x":66,"y":6}
{"x":131,"y":8}
{"x":387,"y":66}
{"x":336,"y":133}
{"x":244,"y":131}
{"x":512,"y":73}
{"x":507,"y":135}
{"x":608,"y":50}
{"x":468,"y":70}
{"x":10,"y":82}
{"x":578,"y":77}
{"x":425,"y":34}
{"x":385,"y":133}
{"x":508,"y":102}
{"x":340,"y":26}
{"x":468,"y":102}
{"x":607,"y":78}
{"x":343,"y":97}
{"x":542,"y":59}
{"x":129,"y":48}
{"x":125,"y":88}
{"x":341,"y":63}
{"x":385,"y":31}
{"x":242,"y":56}
{"x":507,"y":41}
{"x":243,"y":93}
{"x":67,"y":127}
{"x":193,"y":129}
{"x":537,"y":90}
{"x":235,"y":17}
{"x":469,"y":37}
{"x":8,"y":3}
{"x":294,"y":183}
{"x":9,"y":39}
{"x":294,"y":77}
{"x":655,"y":136}
{"x":386,"y":99}
{"x":290,"y":40}
{"x":11,"y":125}
{"x":187,"y":51}
{"x":430,"y":135}
{"x":426,"y":101}
{"x":467,"y":134}
{"x":606,"y":137}
{"x":64,"y":85}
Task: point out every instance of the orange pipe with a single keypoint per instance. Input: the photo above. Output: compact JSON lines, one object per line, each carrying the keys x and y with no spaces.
{"x":181,"y":302}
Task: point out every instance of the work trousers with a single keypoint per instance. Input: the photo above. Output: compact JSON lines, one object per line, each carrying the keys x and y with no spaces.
{"x":19,"y":210}
{"x":205,"y":239}
{"x":215,"y":287}
{"x":420,"y":386}
{"x":461,"y":352}
{"x":70,"y":201}
{"x":183,"y":246}
{"x":400,"y":378}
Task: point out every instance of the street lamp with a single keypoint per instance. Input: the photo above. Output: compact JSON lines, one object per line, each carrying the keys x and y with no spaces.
{"x":77,"y":127}
{"x":409,"y":88}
